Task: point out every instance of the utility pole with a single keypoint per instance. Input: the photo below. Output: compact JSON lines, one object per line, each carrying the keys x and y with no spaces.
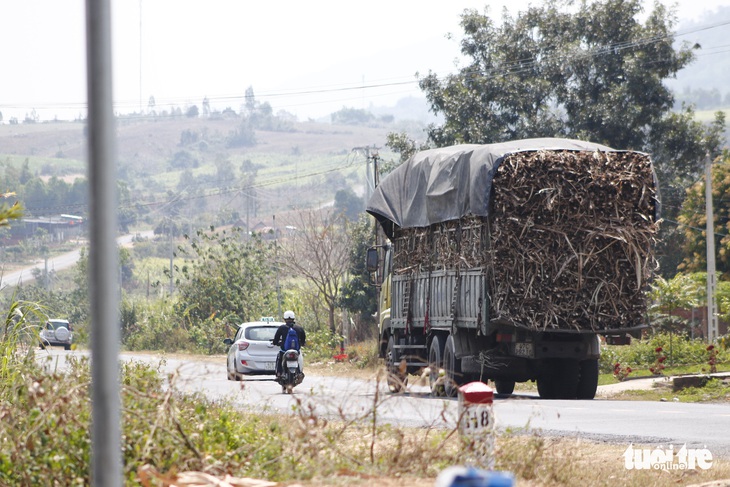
{"x":172,"y":255}
{"x":276,"y":263}
{"x":712,"y":327}
{"x":370,"y":178}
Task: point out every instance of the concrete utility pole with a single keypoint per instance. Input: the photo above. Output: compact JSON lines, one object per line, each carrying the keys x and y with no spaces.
{"x":276,"y":263}
{"x":370,"y":177}
{"x":106,"y":450}
{"x":712,"y":327}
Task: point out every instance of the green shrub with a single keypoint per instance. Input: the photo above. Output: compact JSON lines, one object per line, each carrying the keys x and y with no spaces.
{"x":322,"y":345}
{"x":642,"y":353}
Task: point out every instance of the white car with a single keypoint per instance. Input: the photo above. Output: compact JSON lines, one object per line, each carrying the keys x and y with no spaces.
{"x":56,"y":332}
{"x":251,"y":351}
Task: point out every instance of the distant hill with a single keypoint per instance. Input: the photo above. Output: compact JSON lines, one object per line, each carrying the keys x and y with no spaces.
{"x":193,"y":163}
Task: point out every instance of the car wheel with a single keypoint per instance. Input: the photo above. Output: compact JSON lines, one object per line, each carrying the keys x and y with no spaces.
{"x":67,"y":347}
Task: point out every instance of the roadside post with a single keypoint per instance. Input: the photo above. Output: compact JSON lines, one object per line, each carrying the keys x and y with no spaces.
{"x":476,"y":424}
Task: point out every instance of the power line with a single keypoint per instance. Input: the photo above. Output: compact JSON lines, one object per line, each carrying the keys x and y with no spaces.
{"x":514,"y":67}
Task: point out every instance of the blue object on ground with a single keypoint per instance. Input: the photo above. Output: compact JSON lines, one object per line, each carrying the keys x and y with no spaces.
{"x":473,"y":477}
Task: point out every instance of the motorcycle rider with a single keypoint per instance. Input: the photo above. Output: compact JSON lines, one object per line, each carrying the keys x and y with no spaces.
{"x":280,"y":337}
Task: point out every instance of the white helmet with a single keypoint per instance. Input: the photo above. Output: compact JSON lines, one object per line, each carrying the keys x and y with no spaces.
{"x":289,"y":315}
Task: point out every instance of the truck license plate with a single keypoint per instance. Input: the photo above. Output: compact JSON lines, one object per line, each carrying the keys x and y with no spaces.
{"x":523,"y":350}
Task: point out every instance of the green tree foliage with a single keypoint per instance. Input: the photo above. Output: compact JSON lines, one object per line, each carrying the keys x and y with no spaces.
{"x":351,"y":116}
{"x":358,"y":295}
{"x":553,"y":72}
{"x":192,"y":112}
{"x":183,"y":160}
{"x":9,"y":212}
{"x":225,"y":275}
{"x":349,"y":204}
{"x":561,"y":70}
{"x":402,"y":144}
{"x":693,"y":221}
{"x":680,"y":292}
{"x":243,"y":136}
{"x":41,"y":197}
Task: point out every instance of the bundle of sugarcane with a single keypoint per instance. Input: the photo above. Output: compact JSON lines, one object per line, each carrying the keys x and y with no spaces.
{"x":572,"y":237}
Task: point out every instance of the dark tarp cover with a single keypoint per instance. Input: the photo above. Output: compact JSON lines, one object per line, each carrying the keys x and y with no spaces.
{"x":439,"y":185}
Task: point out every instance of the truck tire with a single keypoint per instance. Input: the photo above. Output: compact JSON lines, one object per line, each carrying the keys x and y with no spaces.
{"x":560,"y":380}
{"x":505,"y":386}
{"x":452,"y":369}
{"x":396,"y":379}
{"x":435,"y":363}
{"x":588,"y":379}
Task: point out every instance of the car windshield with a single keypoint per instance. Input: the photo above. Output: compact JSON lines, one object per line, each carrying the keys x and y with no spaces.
{"x":55,"y":325}
{"x":260,"y":333}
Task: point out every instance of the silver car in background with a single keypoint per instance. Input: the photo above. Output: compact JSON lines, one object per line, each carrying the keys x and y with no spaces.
{"x":56,"y":332}
{"x":251,"y":351}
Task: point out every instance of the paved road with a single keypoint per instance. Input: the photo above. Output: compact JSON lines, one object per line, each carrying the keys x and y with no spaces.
{"x":57,"y":263}
{"x":621,"y":422}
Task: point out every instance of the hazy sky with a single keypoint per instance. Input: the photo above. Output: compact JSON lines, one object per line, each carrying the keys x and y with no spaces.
{"x":307,"y":57}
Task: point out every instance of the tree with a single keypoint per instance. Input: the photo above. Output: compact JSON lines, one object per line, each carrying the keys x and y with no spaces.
{"x":225,"y":275}
{"x":192,"y":112}
{"x":351,"y":116}
{"x":555,"y":72}
{"x":250,"y":101}
{"x":319,"y":252}
{"x":692,"y":219}
{"x":358,"y":295}
{"x":349,"y":204}
{"x":206,"y":107}
{"x":680,"y":292}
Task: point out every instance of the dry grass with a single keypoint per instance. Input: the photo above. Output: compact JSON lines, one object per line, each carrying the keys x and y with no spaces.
{"x":536,"y":462}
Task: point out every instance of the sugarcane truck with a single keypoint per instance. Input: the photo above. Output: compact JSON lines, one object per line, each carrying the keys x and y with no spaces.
{"x":507,"y":262}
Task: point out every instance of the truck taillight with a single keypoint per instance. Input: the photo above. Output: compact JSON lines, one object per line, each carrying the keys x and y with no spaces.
{"x":505,"y":337}
{"x":242,"y":346}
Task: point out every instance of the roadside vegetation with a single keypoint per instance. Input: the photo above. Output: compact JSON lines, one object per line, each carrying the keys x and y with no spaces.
{"x":169,"y":436}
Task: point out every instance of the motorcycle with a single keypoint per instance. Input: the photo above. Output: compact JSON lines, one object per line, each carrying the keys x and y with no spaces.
{"x":292,"y":371}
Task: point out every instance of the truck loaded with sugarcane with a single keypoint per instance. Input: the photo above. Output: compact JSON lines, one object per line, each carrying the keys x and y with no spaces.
{"x":508,"y":261}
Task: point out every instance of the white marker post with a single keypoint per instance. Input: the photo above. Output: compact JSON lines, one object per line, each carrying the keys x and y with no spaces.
{"x":476,"y":423}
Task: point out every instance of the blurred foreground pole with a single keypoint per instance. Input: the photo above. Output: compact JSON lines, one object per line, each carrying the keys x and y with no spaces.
{"x":106,"y":452}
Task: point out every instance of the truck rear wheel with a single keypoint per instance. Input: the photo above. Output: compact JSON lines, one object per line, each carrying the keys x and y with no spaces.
{"x":588,"y":379}
{"x":435,"y":363}
{"x":560,"y":380}
{"x":396,"y":379}
{"x":452,"y":367}
{"x":504,"y":386}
